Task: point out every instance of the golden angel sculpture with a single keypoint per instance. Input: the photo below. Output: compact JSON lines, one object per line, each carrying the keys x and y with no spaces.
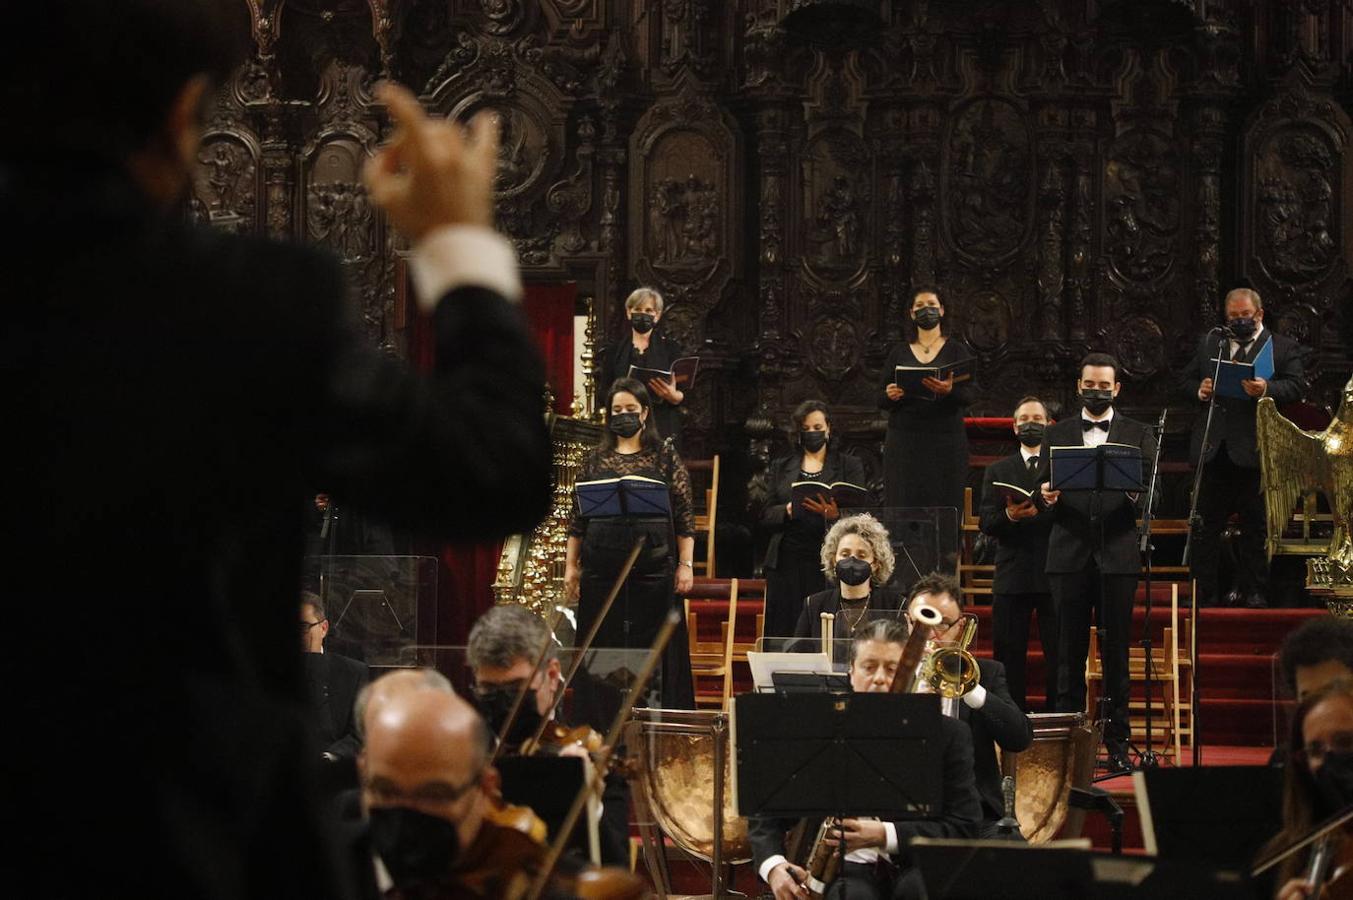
{"x":1293,"y":463}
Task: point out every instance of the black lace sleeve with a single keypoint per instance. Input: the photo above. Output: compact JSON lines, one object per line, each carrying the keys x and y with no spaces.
{"x":674,"y":470}
{"x":577,"y":525}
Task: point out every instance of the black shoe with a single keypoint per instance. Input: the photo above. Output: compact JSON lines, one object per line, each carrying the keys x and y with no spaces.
{"x":1233,"y":598}
{"x":1255,"y":601}
{"x":1118,"y":762}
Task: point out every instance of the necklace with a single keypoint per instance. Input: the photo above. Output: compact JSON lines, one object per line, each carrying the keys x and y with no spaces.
{"x":927,"y":348}
{"x":852,"y":624}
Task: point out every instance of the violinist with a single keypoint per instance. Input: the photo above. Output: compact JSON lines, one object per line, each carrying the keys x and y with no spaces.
{"x":877,"y":862}
{"x":503,"y":651}
{"x":1318,"y":784}
{"x":426,"y":784}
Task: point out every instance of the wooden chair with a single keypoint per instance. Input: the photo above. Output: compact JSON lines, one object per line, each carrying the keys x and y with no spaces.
{"x":1172,"y":681}
{"x":706,"y":518}
{"x":975,"y":579}
{"x":710,"y":659}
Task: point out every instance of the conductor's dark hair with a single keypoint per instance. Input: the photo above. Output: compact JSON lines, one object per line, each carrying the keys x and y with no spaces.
{"x":1317,"y":641}
{"x":802,"y":412}
{"x":53,"y":55}
{"x":885,"y":631}
{"x":649,"y":436}
{"x":1097,"y":359}
{"x":936,"y":583}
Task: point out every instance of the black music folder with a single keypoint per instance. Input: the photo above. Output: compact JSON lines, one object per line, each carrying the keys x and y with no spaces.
{"x":1108,"y":467}
{"x":681,"y":375}
{"x":628,"y":495}
{"x":843,"y":492}
{"x":910,"y":378}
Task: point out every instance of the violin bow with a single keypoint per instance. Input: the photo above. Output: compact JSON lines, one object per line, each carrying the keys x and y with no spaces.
{"x":1314,"y":835}
{"x":582,"y":648}
{"x":604,"y":757}
{"x":526,"y":686}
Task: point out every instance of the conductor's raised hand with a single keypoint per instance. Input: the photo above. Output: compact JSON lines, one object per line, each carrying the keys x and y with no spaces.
{"x":432,"y":172}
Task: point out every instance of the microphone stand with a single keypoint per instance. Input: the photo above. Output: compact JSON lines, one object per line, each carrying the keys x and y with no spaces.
{"x":1194,"y":523}
{"x":1148,"y":758}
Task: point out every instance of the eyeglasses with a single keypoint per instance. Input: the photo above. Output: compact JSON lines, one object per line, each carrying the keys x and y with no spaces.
{"x":306,"y":626}
{"x":1315,"y":751}
{"x":434,"y":793}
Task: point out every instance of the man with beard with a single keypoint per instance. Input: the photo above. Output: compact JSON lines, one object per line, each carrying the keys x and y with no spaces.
{"x":1093,"y":559}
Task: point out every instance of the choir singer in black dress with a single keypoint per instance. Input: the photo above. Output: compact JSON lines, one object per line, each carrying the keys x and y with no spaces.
{"x":857,"y":557}
{"x":598,"y":547}
{"x":646,"y":346}
{"x":1021,"y":527}
{"x":792,"y":568}
{"x":925,"y":451}
{"x":1093,"y":560}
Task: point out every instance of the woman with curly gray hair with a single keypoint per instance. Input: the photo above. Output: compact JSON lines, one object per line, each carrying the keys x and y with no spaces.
{"x":857,"y":558}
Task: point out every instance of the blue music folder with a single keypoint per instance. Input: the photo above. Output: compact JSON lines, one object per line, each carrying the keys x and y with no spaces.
{"x":628,"y":495}
{"x":1230,"y":373}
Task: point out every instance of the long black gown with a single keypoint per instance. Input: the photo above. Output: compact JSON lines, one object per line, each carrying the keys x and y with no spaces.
{"x":925,"y":451}
{"x":647,"y":596}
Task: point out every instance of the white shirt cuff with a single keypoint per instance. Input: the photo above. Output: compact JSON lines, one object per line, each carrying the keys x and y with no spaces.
{"x":976,"y":697}
{"x":890,"y":832}
{"x":770,"y":864}
{"x":463,"y":256}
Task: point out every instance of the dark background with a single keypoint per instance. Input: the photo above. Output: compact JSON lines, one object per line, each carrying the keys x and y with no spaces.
{"x":1071,"y":174}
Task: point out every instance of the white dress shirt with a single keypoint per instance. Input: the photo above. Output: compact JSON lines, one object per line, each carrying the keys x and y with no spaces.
{"x":1096,"y":436}
{"x":864,"y":855}
{"x":463,"y":256}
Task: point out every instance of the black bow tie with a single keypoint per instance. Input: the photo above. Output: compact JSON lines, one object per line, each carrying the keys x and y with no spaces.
{"x":1087,"y":425}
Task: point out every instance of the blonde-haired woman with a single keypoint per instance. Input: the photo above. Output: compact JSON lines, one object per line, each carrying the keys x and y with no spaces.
{"x":857,"y":558}
{"x":648,"y":347}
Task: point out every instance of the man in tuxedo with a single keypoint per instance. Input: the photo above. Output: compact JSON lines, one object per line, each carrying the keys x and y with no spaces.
{"x":334,"y":682}
{"x":1230,"y":461}
{"x":989,"y":710}
{"x":1093,"y":557}
{"x":1021,"y":527}
{"x":873,"y":846}
{"x":176,"y":398}
{"x":502,"y":650}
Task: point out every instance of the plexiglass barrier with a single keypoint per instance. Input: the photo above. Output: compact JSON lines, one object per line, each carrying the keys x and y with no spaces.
{"x":373,"y":604}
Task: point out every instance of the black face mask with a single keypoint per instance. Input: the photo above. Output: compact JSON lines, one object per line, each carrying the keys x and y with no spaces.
{"x":1031,"y":433}
{"x":853,"y":571}
{"x":494,"y":705}
{"x":1242,"y":329}
{"x":625,"y":424}
{"x":1096,"y":400}
{"x":416,"y":848}
{"x":812,"y":441}
{"x":927,"y":317}
{"x":642,"y":322}
{"x":1334,"y":783}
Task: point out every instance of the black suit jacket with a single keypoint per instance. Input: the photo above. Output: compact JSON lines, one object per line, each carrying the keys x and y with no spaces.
{"x":335,"y":681}
{"x":177,"y":398}
{"x":959,"y":817}
{"x":998,"y":723}
{"x":1233,"y":419}
{"x":883,"y":602}
{"x":837,"y":467}
{"x":1103,"y":527}
{"x":1021,"y":547}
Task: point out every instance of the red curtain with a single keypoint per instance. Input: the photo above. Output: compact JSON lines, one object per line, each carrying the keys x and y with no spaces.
{"x":465,"y":577}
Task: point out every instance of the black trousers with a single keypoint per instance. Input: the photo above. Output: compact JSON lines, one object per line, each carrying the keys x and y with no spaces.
{"x":1226,"y":489}
{"x":1080,"y":599}
{"x":861,"y":881}
{"x":1010,"y":641}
